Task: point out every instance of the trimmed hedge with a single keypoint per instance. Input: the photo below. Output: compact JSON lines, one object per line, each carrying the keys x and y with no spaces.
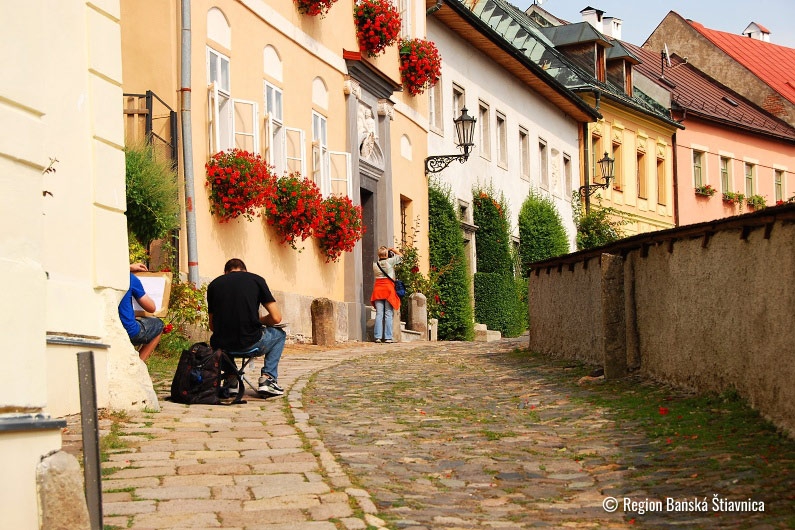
{"x":499,"y":302}
{"x":541,"y":231}
{"x":447,"y":254}
{"x":493,"y":236}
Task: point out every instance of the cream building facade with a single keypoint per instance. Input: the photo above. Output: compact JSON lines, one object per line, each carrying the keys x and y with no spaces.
{"x":63,"y":244}
{"x":294,"y":89}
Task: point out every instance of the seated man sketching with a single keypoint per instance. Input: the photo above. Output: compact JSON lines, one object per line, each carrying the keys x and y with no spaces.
{"x":233,"y":301}
{"x":143,"y":331}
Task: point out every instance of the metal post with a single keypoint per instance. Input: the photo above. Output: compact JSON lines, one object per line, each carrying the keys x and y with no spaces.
{"x":90,"y":432}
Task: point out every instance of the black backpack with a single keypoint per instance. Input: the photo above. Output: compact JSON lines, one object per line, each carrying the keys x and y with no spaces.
{"x":199,"y":375}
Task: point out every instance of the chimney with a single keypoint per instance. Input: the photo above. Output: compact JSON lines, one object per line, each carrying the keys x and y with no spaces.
{"x":609,"y":26}
{"x":757,"y":31}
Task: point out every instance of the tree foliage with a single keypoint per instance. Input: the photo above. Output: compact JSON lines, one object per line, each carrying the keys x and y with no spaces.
{"x":152,"y":195}
{"x":599,"y":227}
{"x":493,"y":248}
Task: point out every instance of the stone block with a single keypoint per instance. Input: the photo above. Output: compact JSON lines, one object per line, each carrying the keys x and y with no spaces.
{"x":418,"y":314}
{"x":61,"y":498}
{"x":324,"y":322}
{"x":482,"y":334}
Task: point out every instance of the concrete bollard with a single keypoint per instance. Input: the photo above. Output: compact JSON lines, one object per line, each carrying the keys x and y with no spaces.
{"x":418,"y":314}
{"x":433,"y":329}
{"x":324,"y":323}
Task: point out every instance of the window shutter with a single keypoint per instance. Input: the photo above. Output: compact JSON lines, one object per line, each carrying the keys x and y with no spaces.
{"x":213,"y":133}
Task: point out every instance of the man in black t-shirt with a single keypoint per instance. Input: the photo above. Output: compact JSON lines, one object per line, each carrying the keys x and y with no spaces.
{"x":233,"y":302}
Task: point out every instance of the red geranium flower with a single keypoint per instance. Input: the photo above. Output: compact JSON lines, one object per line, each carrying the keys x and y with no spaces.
{"x":377,"y":25}
{"x":420,"y":65}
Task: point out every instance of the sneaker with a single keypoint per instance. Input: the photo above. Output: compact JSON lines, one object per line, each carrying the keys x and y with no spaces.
{"x":268,"y":385}
{"x":231,"y":387}
{"x":388,"y":341}
{"x":378,"y":341}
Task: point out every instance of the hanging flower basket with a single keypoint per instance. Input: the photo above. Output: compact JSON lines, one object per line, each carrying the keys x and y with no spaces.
{"x":377,"y":25}
{"x":293,"y":207}
{"x":420,"y":65}
{"x":314,"y":8}
{"x":340,"y":227}
{"x":237,"y":182}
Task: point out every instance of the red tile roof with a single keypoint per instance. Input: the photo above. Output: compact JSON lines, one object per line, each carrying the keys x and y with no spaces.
{"x":701,"y":95}
{"x":772,"y":63}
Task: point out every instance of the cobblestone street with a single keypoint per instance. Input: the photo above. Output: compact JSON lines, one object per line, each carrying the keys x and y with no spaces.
{"x":419,"y":436}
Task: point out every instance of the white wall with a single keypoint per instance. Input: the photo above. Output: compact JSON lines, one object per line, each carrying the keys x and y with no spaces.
{"x":485,"y":81}
{"x":63,"y":244}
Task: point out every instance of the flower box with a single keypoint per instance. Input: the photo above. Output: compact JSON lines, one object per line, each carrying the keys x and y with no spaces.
{"x":420,"y":65}
{"x":732,"y":197}
{"x":237,"y":182}
{"x":705,"y":191}
{"x":377,"y":25}
{"x":314,"y":8}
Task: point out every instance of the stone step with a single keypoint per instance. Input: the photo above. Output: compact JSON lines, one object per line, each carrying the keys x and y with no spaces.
{"x":483,"y":334}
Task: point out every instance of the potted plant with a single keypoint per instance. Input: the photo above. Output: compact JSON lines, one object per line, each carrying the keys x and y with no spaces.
{"x":757,"y":202}
{"x":420,"y":65}
{"x":293,"y":207}
{"x":705,"y":190}
{"x":339,"y":228}
{"x":314,"y":7}
{"x":733,"y":197}
{"x":237,"y":182}
{"x":377,"y":25}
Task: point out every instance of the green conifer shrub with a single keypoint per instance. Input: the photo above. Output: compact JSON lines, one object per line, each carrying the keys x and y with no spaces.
{"x":541,"y":231}
{"x":447,"y":254}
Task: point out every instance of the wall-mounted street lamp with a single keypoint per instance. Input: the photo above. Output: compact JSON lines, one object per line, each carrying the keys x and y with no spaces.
{"x":465,"y":132}
{"x":606,"y":166}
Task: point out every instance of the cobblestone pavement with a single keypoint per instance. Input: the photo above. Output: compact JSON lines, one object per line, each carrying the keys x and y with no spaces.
{"x":411,"y":436}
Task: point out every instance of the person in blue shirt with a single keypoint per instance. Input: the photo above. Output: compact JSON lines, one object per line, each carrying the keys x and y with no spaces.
{"x":143,"y":331}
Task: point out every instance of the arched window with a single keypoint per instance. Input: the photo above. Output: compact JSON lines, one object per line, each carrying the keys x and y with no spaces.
{"x":218,"y":28}
{"x":272,"y":63}
{"x":319,"y":93}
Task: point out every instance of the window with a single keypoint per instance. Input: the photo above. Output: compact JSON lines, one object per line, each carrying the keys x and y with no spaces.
{"x":435,"y":114}
{"x":405,"y":216}
{"x":749,"y":179}
{"x":502,"y":140}
{"x":485,"y":131}
{"x":331,"y":170}
{"x":643,"y":181}
{"x":778,"y":185}
{"x":459,"y":100}
{"x":524,"y":153}
{"x":232,"y":122}
{"x":662,"y":196}
{"x":725,"y":175}
{"x":698,"y":164}
{"x":567,"y":175}
{"x":319,"y":151}
{"x":220,"y":101}
{"x":275,"y":131}
{"x":404,"y":8}
{"x":543,"y":163}
{"x":596,"y":154}
{"x":618,"y":168}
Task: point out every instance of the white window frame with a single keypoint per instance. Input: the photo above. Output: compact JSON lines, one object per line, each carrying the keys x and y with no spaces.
{"x":253,"y":120}
{"x":436,"y":108}
{"x":459,"y":100}
{"x":778,"y":184}
{"x":567,"y":175}
{"x":320,"y":153}
{"x":275,"y":154}
{"x":299,"y":157}
{"x":334,"y":170}
{"x":502,"y":140}
{"x":726,"y":184}
{"x":484,"y":115}
{"x":524,"y":153}
{"x":404,"y":8}
{"x":220,"y":102}
{"x":749,"y":182}
{"x":543,"y":163}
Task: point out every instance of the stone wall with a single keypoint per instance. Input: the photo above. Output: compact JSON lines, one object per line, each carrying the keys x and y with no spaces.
{"x":707,"y":307}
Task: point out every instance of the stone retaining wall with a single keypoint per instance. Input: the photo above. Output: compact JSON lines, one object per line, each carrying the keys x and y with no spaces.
{"x":708,"y":307}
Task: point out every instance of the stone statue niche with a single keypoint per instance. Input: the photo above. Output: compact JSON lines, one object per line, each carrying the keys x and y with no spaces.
{"x":369,"y":148}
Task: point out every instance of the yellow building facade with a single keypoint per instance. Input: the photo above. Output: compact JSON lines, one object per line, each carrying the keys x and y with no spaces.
{"x":642,"y":189}
{"x":295,"y":89}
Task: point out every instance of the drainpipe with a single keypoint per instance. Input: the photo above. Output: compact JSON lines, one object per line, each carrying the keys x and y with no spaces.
{"x":433,"y":9}
{"x":187,"y":145}
{"x":586,"y":166}
{"x":675,"y":179}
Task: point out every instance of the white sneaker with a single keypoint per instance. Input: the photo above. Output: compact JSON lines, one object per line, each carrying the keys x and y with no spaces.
{"x":268,"y":385}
